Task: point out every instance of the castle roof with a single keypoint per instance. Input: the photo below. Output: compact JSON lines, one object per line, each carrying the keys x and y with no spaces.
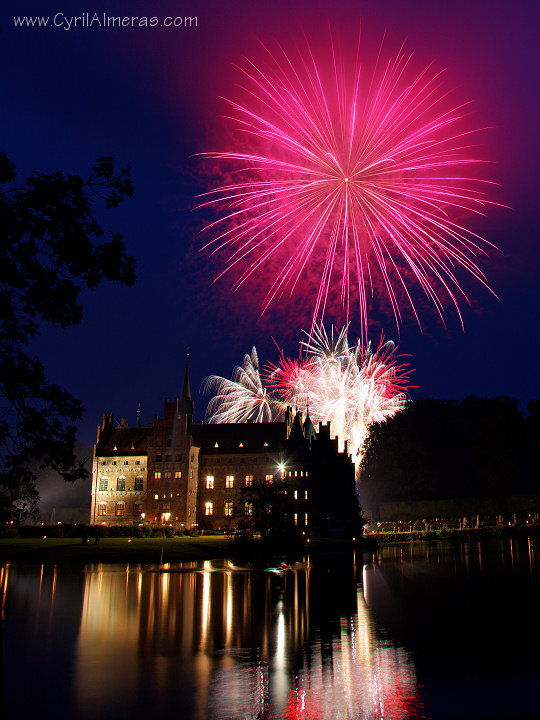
{"x":239,"y":437}
{"x":124,"y":441}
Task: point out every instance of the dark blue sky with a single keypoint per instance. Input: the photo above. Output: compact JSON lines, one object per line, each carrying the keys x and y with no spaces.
{"x":150,"y":98}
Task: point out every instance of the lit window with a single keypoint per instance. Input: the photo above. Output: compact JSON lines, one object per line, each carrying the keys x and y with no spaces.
{"x":241,"y":445}
{"x":102,"y":509}
{"x":209,"y":508}
{"x":156,"y":497}
{"x":249,"y":508}
{"x":306,"y":519}
{"x":139,"y":483}
{"x":265,"y":444}
{"x":296,"y":494}
{"x":119,"y":512}
{"x":229,"y":481}
{"x":121,"y":483}
{"x":157,"y":476}
{"x":296,"y":473}
{"x":269,"y":478}
{"x":137,"y":509}
{"x":103,"y":484}
{"x":249,"y":480}
{"x":301,"y":473}
{"x":209,"y":483}
{"x":216,"y":445}
{"x":177,"y":474}
{"x":306,"y":494}
{"x":167,"y":475}
{"x":228,"y":508}
{"x":296,"y":518}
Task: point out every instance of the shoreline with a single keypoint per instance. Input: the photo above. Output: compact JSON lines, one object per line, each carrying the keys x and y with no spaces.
{"x":157,"y":551}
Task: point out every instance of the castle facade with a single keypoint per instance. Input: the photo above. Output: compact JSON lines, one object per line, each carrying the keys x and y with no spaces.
{"x":174,"y":472}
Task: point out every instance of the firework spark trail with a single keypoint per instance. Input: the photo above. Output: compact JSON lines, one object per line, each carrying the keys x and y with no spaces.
{"x":351,"y":178}
{"x":349,"y":386}
{"x":241,"y":399}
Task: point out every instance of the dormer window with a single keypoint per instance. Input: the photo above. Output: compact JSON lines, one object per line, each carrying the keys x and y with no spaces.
{"x":241,"y":445}
{"x":115,"y":448}
{"x":265,"y":444}
{"x":216,"y":445}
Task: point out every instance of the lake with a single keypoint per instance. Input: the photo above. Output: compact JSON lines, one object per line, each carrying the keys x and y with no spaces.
{"x":434,"y":630}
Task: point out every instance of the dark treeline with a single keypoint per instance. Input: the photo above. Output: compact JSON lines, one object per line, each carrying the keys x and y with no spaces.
{"x":438,"y":449}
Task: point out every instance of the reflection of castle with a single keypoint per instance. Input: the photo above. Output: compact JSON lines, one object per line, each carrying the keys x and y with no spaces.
{"x":183,"y":474}
{"x":221,"y":643}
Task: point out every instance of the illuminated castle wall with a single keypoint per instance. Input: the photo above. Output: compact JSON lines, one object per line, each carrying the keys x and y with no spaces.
{"x":182,"y":474}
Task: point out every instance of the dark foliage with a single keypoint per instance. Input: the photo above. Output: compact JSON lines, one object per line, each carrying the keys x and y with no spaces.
{"x":51,"y":247}
{"x":263,"y":509}
{"x":438,"y":449}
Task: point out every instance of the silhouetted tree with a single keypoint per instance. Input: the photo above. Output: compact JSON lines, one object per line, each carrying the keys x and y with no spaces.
{"x":438,"y":449}
{"x":263,"y":508}
{"x":51,"y":247}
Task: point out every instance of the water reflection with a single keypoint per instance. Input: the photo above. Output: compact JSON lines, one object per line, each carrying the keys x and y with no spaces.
{"x":212,"y":640}
{"x":228,"y":643}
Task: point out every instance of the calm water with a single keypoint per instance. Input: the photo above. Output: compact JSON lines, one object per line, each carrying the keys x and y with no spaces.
{"x":427,"y":630}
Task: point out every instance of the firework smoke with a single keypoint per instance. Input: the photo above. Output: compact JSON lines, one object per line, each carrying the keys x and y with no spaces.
{"x":349,"y":179}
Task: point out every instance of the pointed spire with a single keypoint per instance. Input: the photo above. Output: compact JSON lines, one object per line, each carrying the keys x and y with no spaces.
{"x":186,"y":403}
{"x":186,"y":390}
{"x":309,"y":430}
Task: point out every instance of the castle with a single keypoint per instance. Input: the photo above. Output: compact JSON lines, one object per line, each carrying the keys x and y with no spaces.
{"x":174,"y":472}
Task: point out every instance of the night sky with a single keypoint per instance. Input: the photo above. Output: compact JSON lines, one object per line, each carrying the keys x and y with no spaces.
{"x":150,"y":98}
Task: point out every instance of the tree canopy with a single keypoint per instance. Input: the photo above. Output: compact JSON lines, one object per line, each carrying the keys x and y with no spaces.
{"x":51,"y":247}
{"x":437,"y":449}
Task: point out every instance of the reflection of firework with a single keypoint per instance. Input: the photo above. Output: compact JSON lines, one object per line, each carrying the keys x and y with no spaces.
{"x":241,"y":399}
{"x":349,"y":386}
{"x":347,"y":177}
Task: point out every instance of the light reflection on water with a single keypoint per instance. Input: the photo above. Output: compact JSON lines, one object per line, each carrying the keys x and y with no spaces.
{"x":392,"y":636}
{"x":216,"y":641}
{"x":236,"y":645}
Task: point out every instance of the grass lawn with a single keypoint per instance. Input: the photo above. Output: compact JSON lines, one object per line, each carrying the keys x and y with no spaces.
{"x":124,"y":550}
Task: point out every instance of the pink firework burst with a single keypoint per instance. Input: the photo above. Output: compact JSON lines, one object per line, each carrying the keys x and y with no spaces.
{"x":350,"y":179}
{"x":350,"y":386}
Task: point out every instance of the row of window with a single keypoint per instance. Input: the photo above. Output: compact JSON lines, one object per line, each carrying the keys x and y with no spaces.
{"x":120,"y":484}
{"x":242,"y":460}
{"x":119,"y":509}
{"x":168,"y":458}
{"x":126,"y":462}
{"x":209,"y":510}
{"x":230,"y":480}
{"x":167,"y":475}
